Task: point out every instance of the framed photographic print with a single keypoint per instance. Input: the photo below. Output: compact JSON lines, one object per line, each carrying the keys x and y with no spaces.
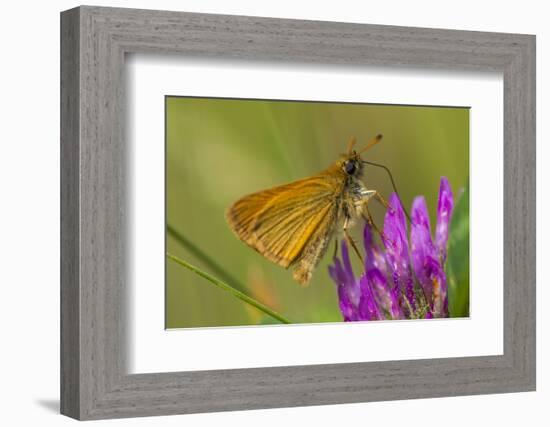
{"x":261,"y":213}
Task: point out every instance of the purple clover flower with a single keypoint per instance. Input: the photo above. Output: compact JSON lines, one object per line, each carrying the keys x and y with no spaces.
{"x":406,"y":278}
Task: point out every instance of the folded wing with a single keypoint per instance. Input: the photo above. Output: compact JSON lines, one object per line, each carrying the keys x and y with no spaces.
{"x":281,"y":222}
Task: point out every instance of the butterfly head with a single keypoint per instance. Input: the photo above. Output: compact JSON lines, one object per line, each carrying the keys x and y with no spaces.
{"x":351,"y":163}
{"x":352,"y":166}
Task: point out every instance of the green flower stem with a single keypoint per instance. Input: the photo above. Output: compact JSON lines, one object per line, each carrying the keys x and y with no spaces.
{"x":235,"y":292}
{"x":204,"y":258}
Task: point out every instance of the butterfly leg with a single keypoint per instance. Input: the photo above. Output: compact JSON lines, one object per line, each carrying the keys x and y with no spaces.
{"x":383,"y":201}
{"x":368,"y":218}
{"x":350,"y":240}
{"x":335,"y":248}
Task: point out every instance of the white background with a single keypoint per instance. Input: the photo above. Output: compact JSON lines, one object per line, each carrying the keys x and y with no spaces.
{"x":152,"y":349}
{"x":29,"y":213}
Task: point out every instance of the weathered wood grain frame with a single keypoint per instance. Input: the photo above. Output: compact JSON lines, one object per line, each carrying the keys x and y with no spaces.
{"x":94,"y":41}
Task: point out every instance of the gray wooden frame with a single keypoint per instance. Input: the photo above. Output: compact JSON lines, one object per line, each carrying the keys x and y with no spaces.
{"x":94,"y":41}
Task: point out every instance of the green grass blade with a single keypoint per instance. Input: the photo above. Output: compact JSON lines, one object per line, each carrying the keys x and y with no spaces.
{"x":204,"y":258}
{"x":458,"y":258}
{"x":235,"y":292}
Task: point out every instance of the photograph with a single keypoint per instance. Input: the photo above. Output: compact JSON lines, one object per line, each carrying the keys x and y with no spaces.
{"x":292,"y":211}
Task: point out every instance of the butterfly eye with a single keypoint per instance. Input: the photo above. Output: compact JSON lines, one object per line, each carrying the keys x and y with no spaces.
{"x":350,"y":167}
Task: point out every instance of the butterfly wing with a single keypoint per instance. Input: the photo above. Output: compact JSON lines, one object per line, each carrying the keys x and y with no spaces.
{"x":281,"y":222}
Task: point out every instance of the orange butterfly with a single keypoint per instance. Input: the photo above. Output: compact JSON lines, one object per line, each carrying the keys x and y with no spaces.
{"x":292,"y":225}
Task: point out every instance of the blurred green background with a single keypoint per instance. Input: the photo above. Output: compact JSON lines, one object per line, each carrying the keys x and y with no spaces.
{"x":218,"y":150}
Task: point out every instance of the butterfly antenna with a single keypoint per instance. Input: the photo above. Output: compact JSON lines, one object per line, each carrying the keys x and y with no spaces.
{"x":393,"y":185}
{"x":371,"y":143}
{"x":351,"y":143}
